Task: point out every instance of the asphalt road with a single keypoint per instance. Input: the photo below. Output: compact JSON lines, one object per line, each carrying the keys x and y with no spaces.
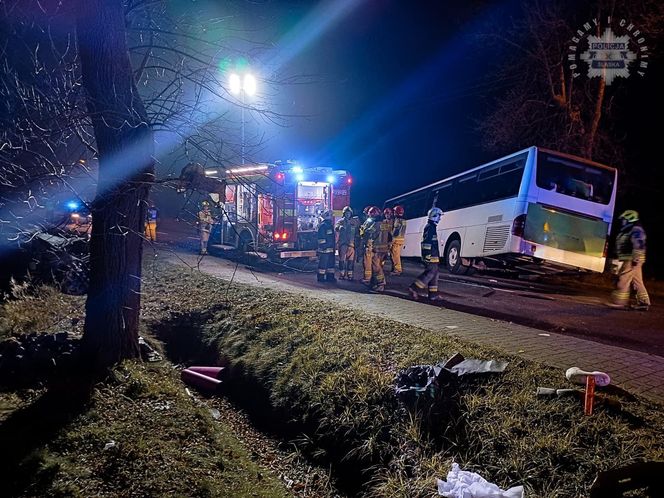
{"x":563,"y":309}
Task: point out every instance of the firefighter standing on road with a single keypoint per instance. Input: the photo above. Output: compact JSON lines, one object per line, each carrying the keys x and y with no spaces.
{"x":368,"y":232}
{"x":326,"y":248}
{"x":428,"y":279}
{"x":205,"y":222}
{"x":151,"y":218}
{"x":398,"y":238}
{"x":631,"y":249}
{"x":359,"y":236}
{"x":346,"y":229}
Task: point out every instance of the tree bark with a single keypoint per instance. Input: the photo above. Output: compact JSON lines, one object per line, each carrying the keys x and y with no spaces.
{"x":126,"y":170}
{"x":597,"y":115}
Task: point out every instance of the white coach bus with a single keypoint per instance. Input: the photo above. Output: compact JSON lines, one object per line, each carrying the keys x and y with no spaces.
{"x":536,"y":209}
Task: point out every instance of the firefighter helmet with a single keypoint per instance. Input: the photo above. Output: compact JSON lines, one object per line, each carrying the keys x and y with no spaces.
{"x":388,"y":212}
{"x":630,"y":216}
{"x":366,"y":210}
{"x":434,"y":212}
{"x":347,"y":209}
{"x":326,"y":215}
{"x":205,"y":204}
{"x":374,"y":212}
{"x":398,"y":211}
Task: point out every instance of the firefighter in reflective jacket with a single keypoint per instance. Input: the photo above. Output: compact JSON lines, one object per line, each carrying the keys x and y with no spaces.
{"x":368,"y":232}
{"x":326,"y":248}
{"x":631,"y":249}
{"x":346,"y":229}
{"x":428,"y":279}
{"x":359,"y":239}
{"x":398,"y":239}
{"x":151,"y":218}
{"x":205,"y":222}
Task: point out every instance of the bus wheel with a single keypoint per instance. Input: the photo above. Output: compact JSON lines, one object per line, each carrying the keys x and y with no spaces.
{"x":453,"y":258}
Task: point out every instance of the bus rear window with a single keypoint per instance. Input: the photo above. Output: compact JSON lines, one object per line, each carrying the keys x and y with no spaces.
{"x":575,"y":179}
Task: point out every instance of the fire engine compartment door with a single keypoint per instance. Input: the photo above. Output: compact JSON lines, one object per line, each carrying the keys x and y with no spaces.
{"x":265,"y":214}
{"x":247,"y":203}
{"x":340,"y":198}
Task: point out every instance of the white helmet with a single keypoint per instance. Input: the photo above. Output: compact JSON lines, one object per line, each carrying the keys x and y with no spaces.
{"x":434,"y":212}
{"x":326,"y":215}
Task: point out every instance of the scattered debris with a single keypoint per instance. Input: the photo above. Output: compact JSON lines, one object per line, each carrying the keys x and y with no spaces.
{"x":549,"y":391}
{"x":464,"y":484}
{"x":578,"y":376}
{"x":545,"y":335}
{"x":148,"y":352}
{"x":420,"y":379}
{"x":205,"y":378}
{"x":110,"y":445}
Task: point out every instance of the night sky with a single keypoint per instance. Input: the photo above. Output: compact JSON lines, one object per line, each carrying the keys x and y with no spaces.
{"x":397,"y":94}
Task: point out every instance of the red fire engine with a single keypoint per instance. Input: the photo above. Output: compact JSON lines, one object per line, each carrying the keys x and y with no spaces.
{"x":274,"y":207}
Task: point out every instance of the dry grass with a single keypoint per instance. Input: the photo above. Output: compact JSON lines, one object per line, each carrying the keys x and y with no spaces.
{"x":331,"y":370}
{"x":165,"y":442}
{"x":29,"y":309}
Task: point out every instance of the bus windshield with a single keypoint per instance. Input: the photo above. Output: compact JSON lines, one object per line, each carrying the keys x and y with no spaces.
{"x":575,"y":179}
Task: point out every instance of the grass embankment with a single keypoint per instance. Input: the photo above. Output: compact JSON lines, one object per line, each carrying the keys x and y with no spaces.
{"x":327,"y":371}
{"x":330,"y":371}
{"x":137,"y":434}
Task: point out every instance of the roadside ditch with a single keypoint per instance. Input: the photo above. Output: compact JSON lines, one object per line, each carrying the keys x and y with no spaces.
{"x":321,"y":378}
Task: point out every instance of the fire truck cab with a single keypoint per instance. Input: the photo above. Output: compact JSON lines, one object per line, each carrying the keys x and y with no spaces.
{"x":274,"y":208}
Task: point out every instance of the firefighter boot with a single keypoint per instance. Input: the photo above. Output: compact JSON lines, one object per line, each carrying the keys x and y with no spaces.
{"x":412,"y":290}
{"x":330,"y":278}
{"x":436,"y":297}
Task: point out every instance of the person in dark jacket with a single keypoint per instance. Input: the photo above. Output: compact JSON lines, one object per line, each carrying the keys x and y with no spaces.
{"x":346,"y":229}
{"x":326,"y":248}
{"x":631,"y":249}
{"x":428,"y":279}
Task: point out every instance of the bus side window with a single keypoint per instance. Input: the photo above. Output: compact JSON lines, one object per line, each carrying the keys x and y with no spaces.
{"x":443,"y":197}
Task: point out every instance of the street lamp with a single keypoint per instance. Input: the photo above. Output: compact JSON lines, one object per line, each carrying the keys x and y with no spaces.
{"x":242,"y":85}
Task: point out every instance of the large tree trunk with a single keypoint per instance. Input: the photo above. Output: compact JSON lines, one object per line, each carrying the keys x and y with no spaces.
{"x":126,"y":170}
{"x":594,"y":124}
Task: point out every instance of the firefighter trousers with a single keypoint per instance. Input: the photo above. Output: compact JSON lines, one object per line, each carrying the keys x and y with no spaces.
{"x":630,"y":275}
{"x":151,"y":231}
{"x":346,"y":260}
{"x":377,"y":274}
{"x":368,"y":257}
{"x":428,"y":279}
{"x":205,"y":236}
{"x":395,"y":254}
{"x":326,"y":266}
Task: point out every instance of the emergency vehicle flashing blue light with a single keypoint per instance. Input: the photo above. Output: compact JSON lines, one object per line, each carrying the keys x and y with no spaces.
{"x":297,"y":169}
{"x":72,"y":205}
{"x":299,"y":178}
{"x":330,"y":178}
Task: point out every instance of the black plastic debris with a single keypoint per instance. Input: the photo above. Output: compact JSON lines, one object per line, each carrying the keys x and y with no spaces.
{"x":420,"y":380}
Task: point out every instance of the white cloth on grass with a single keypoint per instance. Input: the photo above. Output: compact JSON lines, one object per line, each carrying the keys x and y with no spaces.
{"x":464,"y":484}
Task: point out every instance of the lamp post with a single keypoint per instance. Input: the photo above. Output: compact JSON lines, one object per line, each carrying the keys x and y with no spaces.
{"x":242,"y":85}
